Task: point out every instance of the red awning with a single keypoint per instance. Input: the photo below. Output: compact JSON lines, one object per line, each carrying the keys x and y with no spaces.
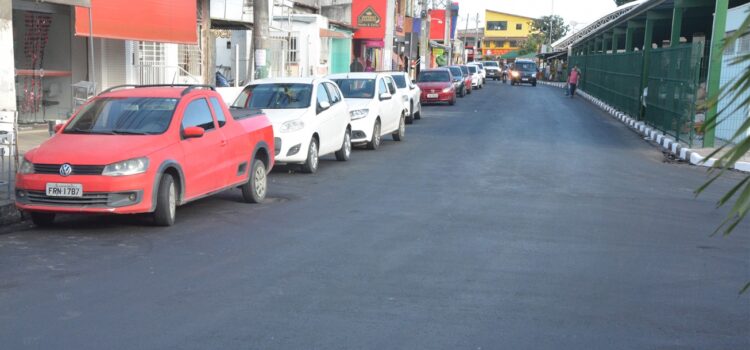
{"x":171,"y":21}
{"x":327,"y":33}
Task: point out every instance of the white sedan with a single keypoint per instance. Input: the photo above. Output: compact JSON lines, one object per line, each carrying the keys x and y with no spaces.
{"x":410,"y":93}
{"x":309,"y":115}
{"x":375,"y":107}
{"x":480,"y":68}
{"x":476,"y":77}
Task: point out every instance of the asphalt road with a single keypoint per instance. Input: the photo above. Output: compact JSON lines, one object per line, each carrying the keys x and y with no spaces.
{"x":517,"y":219}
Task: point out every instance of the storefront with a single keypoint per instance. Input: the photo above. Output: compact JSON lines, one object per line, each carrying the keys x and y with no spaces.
{"x":373,"y":40}
{"x":48,"y":59}
{"x":57,"y":63}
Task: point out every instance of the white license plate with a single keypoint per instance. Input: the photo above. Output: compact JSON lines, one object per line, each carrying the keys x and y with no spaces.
{"x":64,"y":190}
{"x":525,"y":79}
{"x":432,"y":95}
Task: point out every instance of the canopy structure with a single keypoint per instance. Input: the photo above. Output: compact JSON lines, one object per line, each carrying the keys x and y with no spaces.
{"x":517,"y":54}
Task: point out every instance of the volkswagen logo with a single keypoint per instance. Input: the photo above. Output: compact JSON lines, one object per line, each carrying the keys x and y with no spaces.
{"x":66,"y":169}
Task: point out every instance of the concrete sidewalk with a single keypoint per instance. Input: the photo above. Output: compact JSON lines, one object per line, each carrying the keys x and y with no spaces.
{"x":29,"y":137}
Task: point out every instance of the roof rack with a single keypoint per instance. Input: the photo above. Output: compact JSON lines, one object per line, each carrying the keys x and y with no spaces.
{"x":188,"y":87}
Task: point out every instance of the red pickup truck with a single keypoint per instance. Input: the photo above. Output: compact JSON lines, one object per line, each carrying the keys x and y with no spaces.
{"x":146,"y":149}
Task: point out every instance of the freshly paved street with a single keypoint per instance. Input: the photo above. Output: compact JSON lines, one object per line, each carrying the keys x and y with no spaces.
{"x":517,"y":219}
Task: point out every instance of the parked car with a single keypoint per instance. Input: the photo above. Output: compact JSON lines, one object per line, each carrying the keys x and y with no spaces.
{"x":458,"y":80}
{"x":493,"y":69}
{"x":523,"y":72}
{"x":481,"y":69}
{"x":375,"y":107}
{"x":476,"y":77}
{"x":309,"y":115}
{"x":134,"y":149}
{"x":437,"y":86}
{"x":412,"y":92}
{"x":467,"y":78}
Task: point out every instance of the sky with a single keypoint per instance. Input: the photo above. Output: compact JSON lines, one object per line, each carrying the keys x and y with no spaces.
{"x":580,"y":12}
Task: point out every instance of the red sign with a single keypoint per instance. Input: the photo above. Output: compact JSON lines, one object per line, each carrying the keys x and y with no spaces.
{"x":369,"y":17}
{"x":437,"y":25}
{"x":172,"y":21}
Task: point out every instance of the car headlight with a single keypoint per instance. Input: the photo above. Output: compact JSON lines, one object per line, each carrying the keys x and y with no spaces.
{"x":448,"y":89}
{"x":359,"y":113}
{"x":515,"y":74}
{"x":292,"y":125}
{"x":127,"y":167}
{"x":405,"y":98}
{"x":26,"y":167}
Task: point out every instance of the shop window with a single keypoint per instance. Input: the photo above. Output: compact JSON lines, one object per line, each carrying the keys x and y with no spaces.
{"x":292,"y":50}
{"x":497,"y":25}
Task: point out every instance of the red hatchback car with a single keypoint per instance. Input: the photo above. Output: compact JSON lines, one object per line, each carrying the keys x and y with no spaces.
{"x":146,"y":149}
{"x":437,"y":86}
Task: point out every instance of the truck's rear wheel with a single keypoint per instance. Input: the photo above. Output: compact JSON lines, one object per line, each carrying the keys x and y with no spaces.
{"x":254,"y":190}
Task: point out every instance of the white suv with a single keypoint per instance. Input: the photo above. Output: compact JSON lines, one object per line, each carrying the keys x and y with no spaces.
{"x":309,"y":115}
{"x":410,"y":93}
{"x":375,"y":106}
{"x":493,"y":69}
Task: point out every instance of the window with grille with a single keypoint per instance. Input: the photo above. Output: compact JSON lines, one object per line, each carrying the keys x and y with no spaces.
{"x":743,"y":44}
{"x":324,"y":50}
{"x":189,"y":60}
{"x":292,"y":50}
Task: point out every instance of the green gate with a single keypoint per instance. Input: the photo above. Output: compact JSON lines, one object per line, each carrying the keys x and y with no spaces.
{"x":341,"y":55}
{"x":613,"y":78}
{"x":674,"y":75}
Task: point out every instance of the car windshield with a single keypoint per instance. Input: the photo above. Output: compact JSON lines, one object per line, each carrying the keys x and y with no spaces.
{"x":124,"y":116}
{"x":400,"y":80}
{"x":356,"y":88}
{"x":434,"y":76}
{"x":490,"y":64}
{"x":472,"y":69}
{"x":456,"y":71}
{"x":525,"y":66}
{"x":275,"y":96}
{"x":465,"y":69}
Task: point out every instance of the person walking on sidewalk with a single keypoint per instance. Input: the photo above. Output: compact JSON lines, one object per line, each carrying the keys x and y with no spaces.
{"x":573,"y":77}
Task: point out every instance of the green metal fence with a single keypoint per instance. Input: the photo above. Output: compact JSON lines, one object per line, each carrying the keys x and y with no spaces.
{"x":673,"y":78}
{"x":616,"y":79}
{"x":673,"y":81}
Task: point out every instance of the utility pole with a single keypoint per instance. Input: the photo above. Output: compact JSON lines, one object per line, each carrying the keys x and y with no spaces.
{"x":448,"y":27}
{"x":424,"y":37}
{"x":208,"y":42}
{"x":476,"y":38}
{"x":261,"y":33}
{"x":552,"y":13}
{"x":466,"y":39}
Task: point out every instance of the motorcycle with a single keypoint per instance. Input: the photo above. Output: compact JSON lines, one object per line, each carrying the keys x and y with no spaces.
{"x":505,"y":75}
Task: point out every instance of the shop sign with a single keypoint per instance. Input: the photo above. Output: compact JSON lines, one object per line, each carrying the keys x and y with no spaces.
{"x":368,"y":18}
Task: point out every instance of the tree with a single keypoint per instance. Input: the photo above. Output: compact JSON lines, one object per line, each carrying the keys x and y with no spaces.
{"x":738,"y":145}
{"x":622,"y":2}
{"x":542,"y":25}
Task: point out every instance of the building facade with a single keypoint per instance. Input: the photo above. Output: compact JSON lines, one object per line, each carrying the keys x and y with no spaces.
{"x":504,"y":32}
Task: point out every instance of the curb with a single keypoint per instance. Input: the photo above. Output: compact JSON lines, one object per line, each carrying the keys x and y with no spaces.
{"x":666,"y":142}
{"x":9,"y":214}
